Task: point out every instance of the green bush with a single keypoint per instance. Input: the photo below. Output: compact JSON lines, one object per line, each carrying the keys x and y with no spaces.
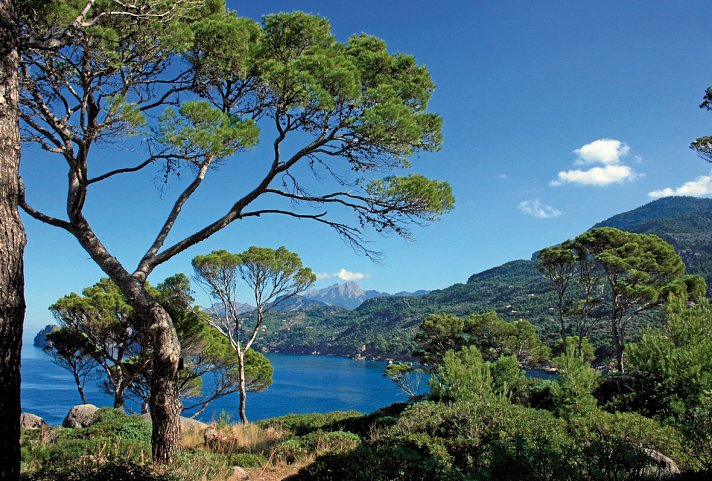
{"x":611,"y":446}
{"x":379,"y":462}
{"x":289,"y":451}
{"x":324,"y":441}
{"x":464,"y":376}
{"x":542,"y":394}
{"x":109,"y":471}
{"x":112,"y":436}
{"x":301,"y":424}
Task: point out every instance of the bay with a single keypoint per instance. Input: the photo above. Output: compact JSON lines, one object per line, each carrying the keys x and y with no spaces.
{"x":302,"y":384}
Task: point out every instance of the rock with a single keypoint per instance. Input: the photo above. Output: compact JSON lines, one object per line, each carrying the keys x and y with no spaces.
{"x":80,"y":416}
{"x":32,"y":421}
{"x":211,"y":436}
{"x":664,"y":464}
{"x":239,"y":474}
{"x":41,"y":339}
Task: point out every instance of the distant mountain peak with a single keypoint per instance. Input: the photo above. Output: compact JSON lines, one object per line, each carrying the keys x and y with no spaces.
{"x":350,"y":295}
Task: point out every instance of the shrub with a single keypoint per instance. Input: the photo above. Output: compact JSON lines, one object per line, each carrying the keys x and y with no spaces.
{"x":289,"y":451}
{"x":379,"y":462}
{"x":575,"y":384}
{"x":301,"y":424}
{"x":320,"y":442}
{"x":109,"y":471}
{"x":464,"y":376}
{"x":611,"y":446}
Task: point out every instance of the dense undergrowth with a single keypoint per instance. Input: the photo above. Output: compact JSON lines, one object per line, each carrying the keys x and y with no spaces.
{"x":485,"y":439}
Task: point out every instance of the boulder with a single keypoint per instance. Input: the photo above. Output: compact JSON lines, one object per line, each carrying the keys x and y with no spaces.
{"x":32,"y":421}
{"x":239,"y":474}
{"x":80,"y":416}
{"x":211,"y":436}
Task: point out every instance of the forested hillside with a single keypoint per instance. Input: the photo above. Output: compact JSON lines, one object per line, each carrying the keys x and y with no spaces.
{"x":385,"y":327}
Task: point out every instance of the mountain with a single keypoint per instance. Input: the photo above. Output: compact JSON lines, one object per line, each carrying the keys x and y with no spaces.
{"x":40,"y":339}
{"x":347,"y":295}
{"x":350,"y":296}
{"x":240,"y":307}
{"x":384,"y":327}
{"x":684,"y":222}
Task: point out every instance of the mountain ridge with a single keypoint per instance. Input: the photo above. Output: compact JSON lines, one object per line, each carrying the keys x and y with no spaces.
{"x":384,"y":327}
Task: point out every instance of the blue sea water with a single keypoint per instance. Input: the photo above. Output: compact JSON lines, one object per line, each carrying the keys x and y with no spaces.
{"x":302,"y":384}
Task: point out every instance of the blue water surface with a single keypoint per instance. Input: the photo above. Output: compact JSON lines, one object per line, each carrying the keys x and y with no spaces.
{"x":302,"y":384}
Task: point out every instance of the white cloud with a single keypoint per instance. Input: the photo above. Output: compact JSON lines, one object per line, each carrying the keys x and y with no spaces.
{"x":503,"y":177}
{"x":535,"y":208}
{"x":343,"y":274}
{"x":602,"y":151}
{"x":702,"y":185}
{"x":595,"y":176}
{"x":608,"y":153}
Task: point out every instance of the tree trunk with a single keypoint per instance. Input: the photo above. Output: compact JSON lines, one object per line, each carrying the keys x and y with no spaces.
{"x":618,"y":345}
{"x":119,"y":399}
{"x":164,"y":403}
{"x":12,"y":244}
{"x":80,"y":388}
{"x":243,"y":390}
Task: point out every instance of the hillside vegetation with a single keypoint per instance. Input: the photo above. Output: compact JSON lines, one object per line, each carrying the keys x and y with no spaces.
{"x":385,"y":327}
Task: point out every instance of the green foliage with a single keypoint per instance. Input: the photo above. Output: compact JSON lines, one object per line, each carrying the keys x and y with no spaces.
{"x":575,"y":384}
{"x":464,"y":376}
{"x":429,"y":198}
{"x":118,"y":470}
{"x":302,"y":424}
{"x":335,"y":441}
{"x":496,"y":337}
{"x":114,"y":436}
{"x":586,"y":349}
{"x":490,"y":334}
{"x":438,"y":334}
{"x":379,"y":462}
{"x":289,"y":451}
{"x":274,"y":273}
{"x":508,"y":379}
{"x":499,"y":441}
{"x":674,"y":365}
{"x":613,"y":445}
{"x":198,"y":132}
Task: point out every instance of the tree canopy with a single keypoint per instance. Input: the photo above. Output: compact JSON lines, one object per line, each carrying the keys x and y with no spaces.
{"x":636,"y":272}
{"x":94,"y":73}
{"x":271,"y":275}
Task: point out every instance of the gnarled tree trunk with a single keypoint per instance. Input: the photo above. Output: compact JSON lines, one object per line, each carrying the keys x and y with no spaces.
{"x":165,"y":404}
{"x":12,"y":244}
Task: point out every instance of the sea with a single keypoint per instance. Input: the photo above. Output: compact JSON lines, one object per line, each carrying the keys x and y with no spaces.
{"x":301,"y":384}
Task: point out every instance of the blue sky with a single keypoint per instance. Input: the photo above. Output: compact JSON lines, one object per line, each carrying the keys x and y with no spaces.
{"x":557,"y":115}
